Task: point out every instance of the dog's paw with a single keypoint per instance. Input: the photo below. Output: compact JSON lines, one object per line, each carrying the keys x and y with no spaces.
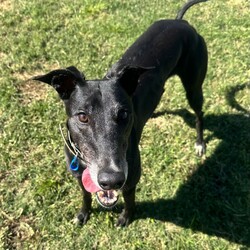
{"x":124,"y":219}
{"x":82,"y":218}
{"x":200,"y":148}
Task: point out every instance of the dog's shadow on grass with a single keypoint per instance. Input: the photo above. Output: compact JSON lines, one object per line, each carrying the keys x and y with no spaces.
{"x":216,"y":198}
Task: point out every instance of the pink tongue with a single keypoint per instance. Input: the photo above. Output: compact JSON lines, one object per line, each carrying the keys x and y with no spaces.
{"x":87,"y":182}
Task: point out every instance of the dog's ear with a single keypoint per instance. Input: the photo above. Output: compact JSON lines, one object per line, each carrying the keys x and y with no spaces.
{"x":63,"y":81}
{"x":129,"y":76}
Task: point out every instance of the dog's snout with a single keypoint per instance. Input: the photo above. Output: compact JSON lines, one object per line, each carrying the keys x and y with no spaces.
{"x":111,"y":180}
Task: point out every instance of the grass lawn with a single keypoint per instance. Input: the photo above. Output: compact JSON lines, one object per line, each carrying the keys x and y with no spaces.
{"x":183,"y":201}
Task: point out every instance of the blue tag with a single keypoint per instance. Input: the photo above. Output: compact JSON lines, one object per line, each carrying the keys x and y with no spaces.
{"x":74,"y":165}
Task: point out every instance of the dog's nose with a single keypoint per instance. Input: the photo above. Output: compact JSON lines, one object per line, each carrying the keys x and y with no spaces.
{"x":111,"y":180}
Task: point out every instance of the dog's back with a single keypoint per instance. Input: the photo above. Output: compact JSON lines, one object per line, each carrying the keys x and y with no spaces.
{"x":168,"y":47}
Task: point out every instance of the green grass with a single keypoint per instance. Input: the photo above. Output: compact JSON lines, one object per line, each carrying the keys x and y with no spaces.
{"x":183,"y":202}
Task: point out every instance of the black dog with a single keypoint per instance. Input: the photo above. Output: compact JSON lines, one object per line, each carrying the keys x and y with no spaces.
{"x":106,"y":117}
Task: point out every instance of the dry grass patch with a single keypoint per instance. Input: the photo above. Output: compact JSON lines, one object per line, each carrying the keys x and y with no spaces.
{"x":6,"y":5}
{"x":32,"y":91}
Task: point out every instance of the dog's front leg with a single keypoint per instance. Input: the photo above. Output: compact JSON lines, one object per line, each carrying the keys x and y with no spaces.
{"x":127,"y":214}
{"x":84,"y":214}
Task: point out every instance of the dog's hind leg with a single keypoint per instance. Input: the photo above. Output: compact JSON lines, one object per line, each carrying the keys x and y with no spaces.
{"x":192,"y":81}
{"x":195,"y":99}
{"x":192,"y":74}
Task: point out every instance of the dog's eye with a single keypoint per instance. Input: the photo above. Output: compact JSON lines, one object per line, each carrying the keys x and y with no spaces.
{"x":83,"y":118}
{"x":122,"y":115}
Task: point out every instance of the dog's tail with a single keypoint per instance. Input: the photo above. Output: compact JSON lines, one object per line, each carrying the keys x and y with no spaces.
{"x":186,"y":6}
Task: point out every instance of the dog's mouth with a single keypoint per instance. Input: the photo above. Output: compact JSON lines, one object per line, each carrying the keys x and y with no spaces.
{"x":106,"y":198}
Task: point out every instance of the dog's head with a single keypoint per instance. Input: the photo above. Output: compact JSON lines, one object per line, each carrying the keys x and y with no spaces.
{"x":100,"y":119}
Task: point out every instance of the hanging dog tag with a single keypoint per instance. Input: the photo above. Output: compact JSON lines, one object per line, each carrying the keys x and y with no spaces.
{"x":74,"y":165}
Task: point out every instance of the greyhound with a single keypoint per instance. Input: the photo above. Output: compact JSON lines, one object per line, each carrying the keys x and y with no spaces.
{"x":106,"y":117}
